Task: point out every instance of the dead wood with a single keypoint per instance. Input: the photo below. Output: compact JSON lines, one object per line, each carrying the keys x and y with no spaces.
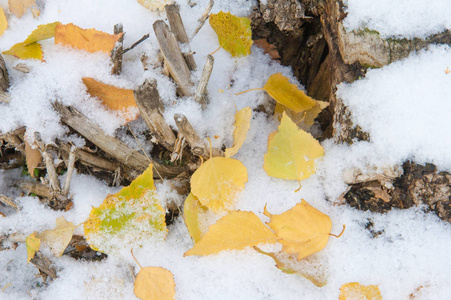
{"x":173,"y":58}
{"x":37,"y":188}
{"x":144,"y":37}
{"x":198,"y":146}
{"x":177,"y":27}
{"x":4,"y":78}
{"x":48,"y":160}
{"x":201,"y":89}
{"x":151,"y":108}
{"x":44,"y":264}
{"x":116,"y":53}
{"x":127,"y":156}
{"x":203,"y":18}
{"x":70,"y":169}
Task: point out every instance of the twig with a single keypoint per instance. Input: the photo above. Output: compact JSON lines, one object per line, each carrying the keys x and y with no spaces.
{"x":144,"y":37}
{"x":177,"y":27}
{"x":151,"y":108}
{"x":8,"y":201}
{"x":173,"y":57}
{"x":202,"y":86}
{"x":36,"y":188}
{"x":127,"y":156}
{"x":117,"y":52}
{"x":70,"y":169}
{"x":203,"y":18}
{"x":51,"y":172}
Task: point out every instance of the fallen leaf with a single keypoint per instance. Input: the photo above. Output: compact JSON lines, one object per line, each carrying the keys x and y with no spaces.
{"x":112,"y":97}
{"x":306,"y":117}
{"x":270,"y":49}
{"x":192,"y":209}
{"x":3,"y":22}
{"x":311,"y":270}
{"x":154,"y":283}
{"x":129,"y":216}
{"x":302,"y":230}
{"x":33,"y":158}
{"x":90,"y":40}
{"x":235,"y":231}
{"x":58,"y":238}
{"x":291,"y":152}
{"x":242,"y":125}
{"x":30,"y":48}
{"x":32,"y":242}
{"x":20,"y":7}
{"x":218,"y":181}
{"x":356,"y":291}
{"x":155,"y":4}
{"x":234,"y":33}
{"x":287,"y":94}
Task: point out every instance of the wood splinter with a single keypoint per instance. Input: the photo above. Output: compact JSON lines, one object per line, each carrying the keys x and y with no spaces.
{"x":51,"y":172}
{"x":203,"y":18}
{"x":70,"y":170}
{"x":201,"y":89}
{"x":116,"y":53}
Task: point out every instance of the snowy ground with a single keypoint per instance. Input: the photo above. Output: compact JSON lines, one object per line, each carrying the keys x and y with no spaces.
{"x":404,"y":106}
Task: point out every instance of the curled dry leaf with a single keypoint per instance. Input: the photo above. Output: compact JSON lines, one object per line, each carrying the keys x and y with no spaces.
{"x":237,"y":230}
{"x":242,"y":125}
{"x":291,"y":152}
{"x":304,"y":119}
{"x":33,"y":158}
{"x":3,"y":22}
{"x":287,"y":94}
{"x":357,"y":291}
{"x":129,"y":216}
{"x":234,"y":33}
{"x":90,"y":40}
{"x":302,"y":230}
{"x":20,"y":7}
{"x":218,"y":181}
{"x":154,"y":283}
{"x":192,"y":210}
{"x":121,"y":100}
{"x":270,"y":49}
{"x":33,"y":243}
{"x":58,"y":238}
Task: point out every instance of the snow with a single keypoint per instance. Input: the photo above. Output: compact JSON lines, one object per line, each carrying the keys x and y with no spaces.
{"x":401,"y":105}
{"x":399,"y":19}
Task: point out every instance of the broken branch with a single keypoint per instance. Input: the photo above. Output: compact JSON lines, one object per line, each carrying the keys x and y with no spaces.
{"x":205,"y":77}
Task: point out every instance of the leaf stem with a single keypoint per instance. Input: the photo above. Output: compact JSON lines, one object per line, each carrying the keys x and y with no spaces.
{"x":256,"y":89}
{"x":341,"y":233}
{"x":131,"y":250}
{"x":215,"y":50}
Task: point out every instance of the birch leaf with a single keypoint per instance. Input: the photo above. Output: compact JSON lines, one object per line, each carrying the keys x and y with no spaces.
{"x":33,"y":158}
{"x":234,"y":33}
{"x":302,"y":230}
{"x":192,"y":209}
{"x":236,"y":230}
{"x":155,"y":4}
{"x":242,"y":125}
{"x":121,"y":100}
{"x":218,"y":181}
{"x":306,"y":117}
{"x":90,"y":40}
{"x":356,"y":291}
{"x":291,"y":152}
{"x":287,"y":94}
{"x":20,"y":7}
{"x":32,"y":242}
{"x":58,"y":238}
{"x":3,"y":22}
{"x":129,"y":216}
{"x":154,"y":283}
{"x":30,"y":48}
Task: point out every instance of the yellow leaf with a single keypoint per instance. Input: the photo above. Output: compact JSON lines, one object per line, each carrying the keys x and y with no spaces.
{"x":33,"y":158}
{"x":19,"y":7}
{"x":302,"y":230}
{"x":191,"y":211}
{"x":111,"y":96}
{"x":291,"y":152}
{"x":242,"y":125}
{"x":356,"y":291}
{"x":129,"y":216}
{"x":306,"y":117}
{"x":234,"y":33}
{"x":30,"y":48}
{"x":155,"y":4}
{"x":32,"y":242}
{"x":3,"y":22}
{"x":309,"y":269}
{"x":287,"y":94}
{"x":234,"y":231}
{"x":58,"y":238}
{"x":218,"y":181}
{"x":154,"y":283}
{"x":90,"y":40}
